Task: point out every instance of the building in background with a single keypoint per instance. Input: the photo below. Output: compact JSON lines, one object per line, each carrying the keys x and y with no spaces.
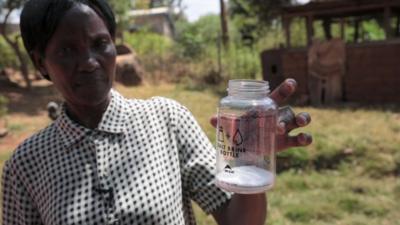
{"x":335,"y":69}
{"x":158,"y":20}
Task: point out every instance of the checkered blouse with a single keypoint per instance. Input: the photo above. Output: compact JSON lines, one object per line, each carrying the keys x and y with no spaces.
{"x":144,"y":164}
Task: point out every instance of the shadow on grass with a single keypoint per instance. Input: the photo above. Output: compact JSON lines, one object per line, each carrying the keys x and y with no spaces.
{"x":29,"y":101}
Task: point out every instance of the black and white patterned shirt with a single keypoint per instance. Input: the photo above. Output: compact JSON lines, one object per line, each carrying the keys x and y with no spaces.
{"x":144,"y":164}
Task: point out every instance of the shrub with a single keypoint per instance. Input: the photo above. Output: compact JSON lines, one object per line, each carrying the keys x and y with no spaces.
{"x":8,"y":58}
{"x":241,"y":62}
{"x":194,"y":40}
{"x":147,"y":43}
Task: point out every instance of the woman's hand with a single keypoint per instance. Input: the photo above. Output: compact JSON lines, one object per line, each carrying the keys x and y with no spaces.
{"x":288,"y":121}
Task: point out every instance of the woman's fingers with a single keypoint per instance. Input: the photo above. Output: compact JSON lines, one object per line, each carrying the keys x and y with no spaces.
{"x":303,"y":119}
{"x":284,"y":91}
{"x":299,"y":140}
{"x":288,"y":121}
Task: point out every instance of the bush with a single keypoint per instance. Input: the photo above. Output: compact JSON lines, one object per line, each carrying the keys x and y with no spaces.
{"x":194,"y":40}
{"x":8,"y":58}
{"x":149,"y":44}
{"x":241,"y":62}
{"x":155,"y":53}
{"x":199,"y":43}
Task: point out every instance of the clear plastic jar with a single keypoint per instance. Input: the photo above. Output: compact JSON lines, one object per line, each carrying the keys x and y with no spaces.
{"x":246,"y":131}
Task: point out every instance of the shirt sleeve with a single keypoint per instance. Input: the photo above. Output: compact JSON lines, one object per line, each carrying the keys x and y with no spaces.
{"x":198,"y":161}
{"x":17,"y":205}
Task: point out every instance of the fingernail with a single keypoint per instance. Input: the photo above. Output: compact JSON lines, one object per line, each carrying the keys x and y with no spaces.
{"x":291,"y":82}
{"x":302,"y":121}
{"x":306,"y":139}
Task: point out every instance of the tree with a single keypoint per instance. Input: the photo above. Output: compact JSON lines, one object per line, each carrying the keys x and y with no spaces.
{"x":7,"y":7}
{"x":253,"y":16}
{"x":121,"y":9}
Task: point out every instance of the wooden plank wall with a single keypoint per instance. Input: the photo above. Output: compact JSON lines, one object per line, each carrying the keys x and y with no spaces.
{"x":373,"y":71}
{"x":294,"y":63}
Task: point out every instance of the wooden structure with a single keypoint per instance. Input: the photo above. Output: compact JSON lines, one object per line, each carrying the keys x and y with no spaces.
{"x":371,"y":68}
{"x":158,"y":20}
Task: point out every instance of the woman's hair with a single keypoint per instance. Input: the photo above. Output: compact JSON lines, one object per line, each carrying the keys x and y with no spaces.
{"x":40,"y":18}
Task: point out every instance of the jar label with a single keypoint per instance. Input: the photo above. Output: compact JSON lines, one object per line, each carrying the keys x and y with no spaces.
{"x":246,"y":137}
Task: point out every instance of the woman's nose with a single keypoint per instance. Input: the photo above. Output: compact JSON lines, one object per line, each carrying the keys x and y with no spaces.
{"x":88,"y":63}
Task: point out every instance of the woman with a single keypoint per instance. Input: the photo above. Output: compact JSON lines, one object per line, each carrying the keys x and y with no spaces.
{"x":107,"y":159}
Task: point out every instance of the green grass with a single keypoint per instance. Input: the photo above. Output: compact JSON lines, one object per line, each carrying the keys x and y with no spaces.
{"x":348,"y":176}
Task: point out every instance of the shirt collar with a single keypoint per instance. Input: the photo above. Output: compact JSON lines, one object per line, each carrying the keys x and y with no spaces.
{"x":114,"y":118}
{"x":113,"y":121}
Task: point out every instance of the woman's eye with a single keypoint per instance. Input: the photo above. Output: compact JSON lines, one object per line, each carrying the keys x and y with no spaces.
{"x":101,"y":43}
{"x":65,"y":51}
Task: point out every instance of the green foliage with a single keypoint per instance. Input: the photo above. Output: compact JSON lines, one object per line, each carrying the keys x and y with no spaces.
{"x":8,"y":58}
{"x":199,"y":43}
{"x":149,"y":44}
{"x":142,"y":4}
{"x":155,"y":53}
{"x":253,"y":16}
{"x":120,"y":9}
{"x":273,"y":38}
{"x":193,"y":39}
{"x":372,"y":30}
{"x":241,"y":62}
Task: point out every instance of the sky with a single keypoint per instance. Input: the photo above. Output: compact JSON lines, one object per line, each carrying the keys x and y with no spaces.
{"x":193,"y":8}
{"x":196,"y":8}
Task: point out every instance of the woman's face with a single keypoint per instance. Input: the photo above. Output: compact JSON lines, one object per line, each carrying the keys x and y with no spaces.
{"x":80,"y":57}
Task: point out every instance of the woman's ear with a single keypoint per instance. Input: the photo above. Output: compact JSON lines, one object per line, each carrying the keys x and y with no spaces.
{"x":37,"y":60}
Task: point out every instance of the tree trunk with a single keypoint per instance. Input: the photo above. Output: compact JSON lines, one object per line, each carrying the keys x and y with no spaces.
{"x":224,"y":24}
{"x":356,"y":30}
{"x":23,"y":65}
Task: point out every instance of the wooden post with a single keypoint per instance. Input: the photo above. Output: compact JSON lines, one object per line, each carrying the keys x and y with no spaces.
{"x":286,"y":27}
{"x":386,"y":22}
{"x":310,"y":29}
{"x":356,"y":29}
{"x":326,"y":23}
{"x":398,"y":26}
{"x":342,"y":28}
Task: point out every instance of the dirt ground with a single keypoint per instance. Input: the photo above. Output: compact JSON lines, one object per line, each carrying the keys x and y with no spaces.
{"x":26,"y":111}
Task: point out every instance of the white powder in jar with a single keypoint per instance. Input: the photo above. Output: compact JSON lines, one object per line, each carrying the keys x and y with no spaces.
{"x":245,"y":179}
